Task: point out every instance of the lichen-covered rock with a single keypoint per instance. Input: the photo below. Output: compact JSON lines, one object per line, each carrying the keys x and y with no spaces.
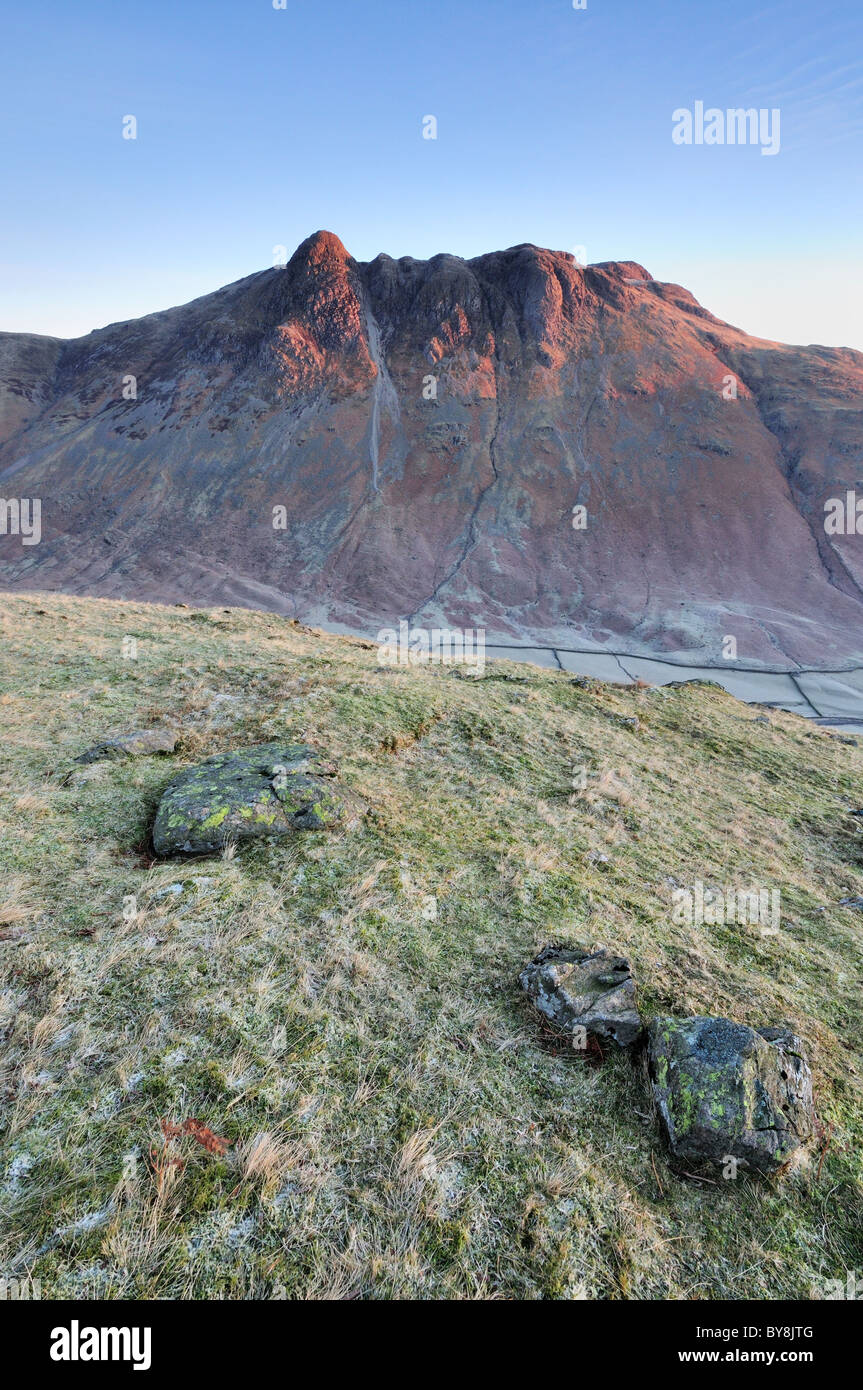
{"x":726,"y":1091}
{"x":579,"y":989}
{"x":136,"y":744}
{"x":271,"y":790}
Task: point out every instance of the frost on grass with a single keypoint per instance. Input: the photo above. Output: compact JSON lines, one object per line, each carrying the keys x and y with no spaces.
{"x":391,"y":1121}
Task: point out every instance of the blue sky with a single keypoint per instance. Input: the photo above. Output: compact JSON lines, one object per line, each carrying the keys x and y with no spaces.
{"x":256,"y":126}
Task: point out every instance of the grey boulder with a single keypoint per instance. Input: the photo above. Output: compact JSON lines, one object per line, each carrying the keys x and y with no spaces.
{"x":265,"y":792}
{"x":137,"y":744}
{"x":579,"y":989}
{"x":726,"y":1091}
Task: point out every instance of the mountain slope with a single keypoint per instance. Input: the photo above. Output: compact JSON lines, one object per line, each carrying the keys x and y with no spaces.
{"x":343,"y":1009}
{"x":428,"y":428}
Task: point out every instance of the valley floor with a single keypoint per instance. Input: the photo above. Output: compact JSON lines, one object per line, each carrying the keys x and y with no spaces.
{"x":833,"y":697}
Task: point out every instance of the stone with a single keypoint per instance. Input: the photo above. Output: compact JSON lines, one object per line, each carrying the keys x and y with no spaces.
{"x":265,"y":792}
{"x":137,"y":744}
{"x":582,"y":989}
{"x":170,"y":889}
{"x":727,"y":1091}
{"x":696,"y":680}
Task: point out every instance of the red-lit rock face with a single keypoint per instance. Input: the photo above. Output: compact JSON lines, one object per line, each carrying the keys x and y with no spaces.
{"x":428,"y":427}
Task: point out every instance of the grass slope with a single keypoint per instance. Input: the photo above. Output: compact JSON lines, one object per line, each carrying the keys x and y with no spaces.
{"x":398,"y":1124}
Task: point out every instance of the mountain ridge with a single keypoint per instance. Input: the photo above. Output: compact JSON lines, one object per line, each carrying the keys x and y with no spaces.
{"x":429,"y":427}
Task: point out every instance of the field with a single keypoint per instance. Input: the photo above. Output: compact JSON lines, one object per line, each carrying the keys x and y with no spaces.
{"x":306,"y":1070}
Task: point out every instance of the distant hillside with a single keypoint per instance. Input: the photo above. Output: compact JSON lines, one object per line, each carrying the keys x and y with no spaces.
{"x":421,"y":433}
{"x":306,"y":1069}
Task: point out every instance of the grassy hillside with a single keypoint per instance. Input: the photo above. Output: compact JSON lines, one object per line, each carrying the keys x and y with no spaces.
{"x":396,"y":1123}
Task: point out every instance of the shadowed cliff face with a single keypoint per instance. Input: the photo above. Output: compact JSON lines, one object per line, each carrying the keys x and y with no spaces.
{"x":428,"y":427}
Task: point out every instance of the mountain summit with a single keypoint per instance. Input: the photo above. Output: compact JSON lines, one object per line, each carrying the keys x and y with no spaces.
{"x":567,"y":456}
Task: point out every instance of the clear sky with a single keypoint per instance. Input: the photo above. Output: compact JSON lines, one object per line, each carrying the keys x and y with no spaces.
{"x":256,"y":126}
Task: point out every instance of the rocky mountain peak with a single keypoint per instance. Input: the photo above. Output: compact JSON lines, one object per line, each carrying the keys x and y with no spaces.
{"x":321,"y":248}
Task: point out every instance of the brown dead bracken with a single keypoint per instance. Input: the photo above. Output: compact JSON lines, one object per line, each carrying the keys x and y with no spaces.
{"x":213,"y":1143}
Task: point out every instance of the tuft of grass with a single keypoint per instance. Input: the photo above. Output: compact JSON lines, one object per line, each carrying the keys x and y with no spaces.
{"x":341,"y":1011}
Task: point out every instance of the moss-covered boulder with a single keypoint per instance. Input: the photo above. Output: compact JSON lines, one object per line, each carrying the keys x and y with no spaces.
{"x":584,"y":992}
{"x":729,"y":1092}
{"x":264,"y":792}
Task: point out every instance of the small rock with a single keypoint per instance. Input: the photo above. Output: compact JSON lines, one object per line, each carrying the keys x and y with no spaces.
{"x":173,"y":888}
{"x":264,"y":792}
{"x":727,"y":1091}
{"x":136,"y":744}
{"x":577,"y":989}
{"x":681,"y":685}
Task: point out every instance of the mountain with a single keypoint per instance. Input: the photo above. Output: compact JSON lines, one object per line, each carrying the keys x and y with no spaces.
{"x":428,"y":428}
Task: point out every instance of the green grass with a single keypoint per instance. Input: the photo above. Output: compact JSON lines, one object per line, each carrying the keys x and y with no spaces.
{"x":399,"y":1125}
